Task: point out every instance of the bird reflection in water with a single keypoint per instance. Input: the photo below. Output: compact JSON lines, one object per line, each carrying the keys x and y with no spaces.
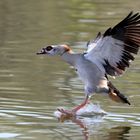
{"x":85,"y":123}
{"x":82,"y":122}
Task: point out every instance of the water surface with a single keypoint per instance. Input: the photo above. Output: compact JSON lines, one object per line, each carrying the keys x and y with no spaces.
{"x":32,"y":87}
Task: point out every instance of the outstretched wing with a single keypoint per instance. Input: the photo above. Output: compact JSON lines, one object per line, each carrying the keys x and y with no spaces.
{"x":113,"y":51}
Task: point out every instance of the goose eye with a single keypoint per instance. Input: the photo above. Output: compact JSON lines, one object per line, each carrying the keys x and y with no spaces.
{"x":48,"y":48}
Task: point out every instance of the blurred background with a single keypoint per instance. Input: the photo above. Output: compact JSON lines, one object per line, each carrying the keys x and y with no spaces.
{"x":32,"y":87}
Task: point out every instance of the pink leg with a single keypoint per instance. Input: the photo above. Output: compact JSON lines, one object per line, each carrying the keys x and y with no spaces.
{"x":81,"y":105}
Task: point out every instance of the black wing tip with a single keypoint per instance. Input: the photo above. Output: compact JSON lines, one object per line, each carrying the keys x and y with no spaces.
{"x":129,"y":15}
{"x":130,"y":19}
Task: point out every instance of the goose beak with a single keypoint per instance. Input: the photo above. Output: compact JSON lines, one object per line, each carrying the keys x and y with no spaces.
{"x":43,"y":51}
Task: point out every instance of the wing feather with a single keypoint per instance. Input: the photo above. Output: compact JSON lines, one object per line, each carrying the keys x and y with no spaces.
{"x":113,"y":51}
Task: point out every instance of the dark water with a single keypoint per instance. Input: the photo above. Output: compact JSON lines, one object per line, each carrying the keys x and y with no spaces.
{"x":32,"y":87}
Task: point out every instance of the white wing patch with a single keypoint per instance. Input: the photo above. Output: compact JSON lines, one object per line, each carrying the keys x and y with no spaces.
{"x":106,"y":48}
{"x":113,"y":51}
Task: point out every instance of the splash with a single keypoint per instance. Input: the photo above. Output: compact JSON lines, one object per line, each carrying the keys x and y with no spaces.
{"x":91,"y":109}
{"x":88,"y":110}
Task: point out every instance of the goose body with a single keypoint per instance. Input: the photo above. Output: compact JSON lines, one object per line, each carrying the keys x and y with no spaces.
{"x":85,"y":68}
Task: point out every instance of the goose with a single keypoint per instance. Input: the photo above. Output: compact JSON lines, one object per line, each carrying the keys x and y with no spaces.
{"x":109,"y":54}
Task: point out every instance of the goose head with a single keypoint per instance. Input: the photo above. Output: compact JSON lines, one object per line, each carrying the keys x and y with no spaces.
{"x":54,"y":50}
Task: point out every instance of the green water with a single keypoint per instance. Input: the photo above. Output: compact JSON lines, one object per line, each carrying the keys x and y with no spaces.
{"x":32,"y":87}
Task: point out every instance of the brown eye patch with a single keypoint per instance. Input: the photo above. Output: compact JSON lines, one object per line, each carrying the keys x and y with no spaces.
{"x":48,"y":48}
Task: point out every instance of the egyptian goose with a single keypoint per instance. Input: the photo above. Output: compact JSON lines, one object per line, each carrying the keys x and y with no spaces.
{"x":109,"y":54}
